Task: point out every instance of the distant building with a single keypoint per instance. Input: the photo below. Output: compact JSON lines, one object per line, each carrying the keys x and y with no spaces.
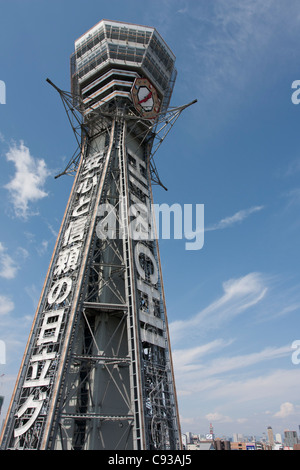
{"x":201,"y":445}
{"x":243,"y":446}
{"x":278,"y":446}
{"x":222,"y":444}
{"x":270,"y":436}
{"x":206,"y":446}
{"x":260,"y":446}
{"x":290,"y":438}
{"x":238,"y":437}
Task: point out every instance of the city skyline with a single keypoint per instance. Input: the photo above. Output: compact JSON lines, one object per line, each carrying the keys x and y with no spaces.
{"x":268,"y":440}
{"x":237,"y":436}
{"x":233,"y":306}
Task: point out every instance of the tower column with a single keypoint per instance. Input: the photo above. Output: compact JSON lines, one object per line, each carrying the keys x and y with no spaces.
{"x":97,"y":371}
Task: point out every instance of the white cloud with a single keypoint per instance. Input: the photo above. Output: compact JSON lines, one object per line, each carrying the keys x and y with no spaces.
{"x":203,"y":368}
{"x":271,"y":387}
{"x":212,"y":374}
{"x":186,"y":421}
{"x":8,"y":267}
{"x":240,"y":399}
{"x":22,"y":253}
{"x":226,"y":364}
{"x":242,"y":420}
{"x":52,"y":230}
{"x":187,"y":360}
{"x":293,"y":197}
{"x":34,"y":293}
{"x":43,"y":247}
{"x":231,"y":37}
{"x":286,"y":409}
{"x":215,"y":370}
{"x":293,"y":167}
{"x":27,"y":184}
{"x":238,"y":296}
{"x":6,"y":305}
{"x":218,"y":417}
{"x":234,"y":219}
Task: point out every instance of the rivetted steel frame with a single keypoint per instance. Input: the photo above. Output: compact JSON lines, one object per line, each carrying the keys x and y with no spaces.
{"x":106,"y":388}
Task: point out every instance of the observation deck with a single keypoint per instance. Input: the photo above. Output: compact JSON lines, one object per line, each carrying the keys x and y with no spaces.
{"x":112,"y":55}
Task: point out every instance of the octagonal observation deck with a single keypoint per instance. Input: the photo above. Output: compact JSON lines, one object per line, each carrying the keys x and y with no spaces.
{"x":111,"y":55}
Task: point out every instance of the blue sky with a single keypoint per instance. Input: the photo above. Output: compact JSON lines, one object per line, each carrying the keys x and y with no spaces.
{"x":234,"y":305}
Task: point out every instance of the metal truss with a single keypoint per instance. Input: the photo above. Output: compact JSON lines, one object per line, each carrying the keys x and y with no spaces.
{"x":107,"y":326}
{"x":97,"y":371}
{"x":153,"y":132}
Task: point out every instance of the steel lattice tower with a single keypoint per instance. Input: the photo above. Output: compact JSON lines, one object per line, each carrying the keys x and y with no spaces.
{"x":97,"y":371}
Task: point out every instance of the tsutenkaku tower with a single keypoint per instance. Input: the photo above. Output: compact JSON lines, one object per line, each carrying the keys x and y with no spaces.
{"x":97,"y":371}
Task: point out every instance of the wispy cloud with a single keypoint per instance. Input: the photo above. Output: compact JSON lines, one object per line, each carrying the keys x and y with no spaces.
{"x":238,"y":296}
{"x":224,"y":44}
{"x":232,"y":397}
{"x":34,"y":293}
{"x":6,"y":305}
{"x":189,"y":359}
{"x":215,"y":371}
{"x":195,"y":371}
{"x":52,"y":230}
{"x":293,"y":168}
{"x":226,"y":363}
{"x":233,"y":385}
{"x":8,"y":267}
{"x":293,"y":197}
{"x":236,"y":218}
{"x":227,"y":37}
{"x":42,"y":248}
{"x":271,"y":386}
{"x":218,"y":417}
{"x":27,"y":185}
